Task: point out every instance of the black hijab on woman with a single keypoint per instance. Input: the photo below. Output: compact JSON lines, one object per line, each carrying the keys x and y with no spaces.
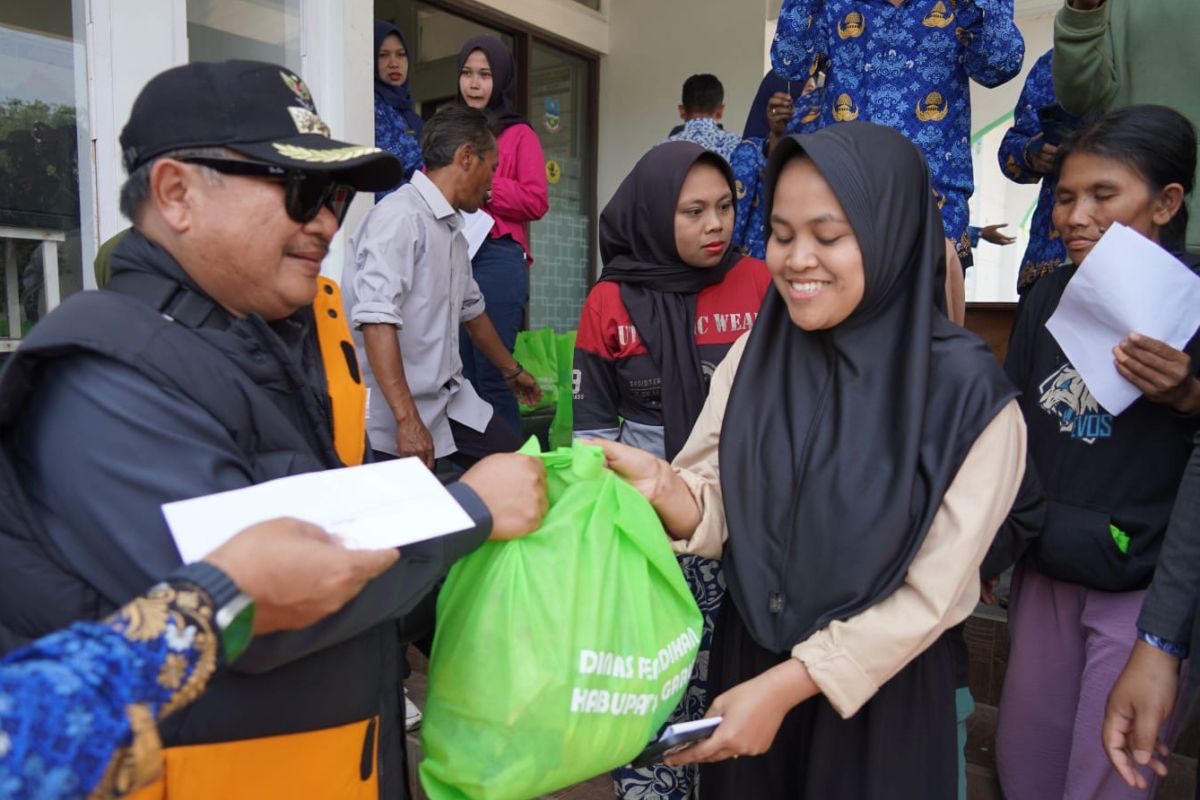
{"x":637,"y":246}
{"x":501,"y":108}
{"x":838,"y":445}
{"x":395,"y":96}
{"x":756,"y":126}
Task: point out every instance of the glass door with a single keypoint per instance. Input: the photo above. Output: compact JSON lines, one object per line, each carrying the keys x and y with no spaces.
{"x":43,"y":120}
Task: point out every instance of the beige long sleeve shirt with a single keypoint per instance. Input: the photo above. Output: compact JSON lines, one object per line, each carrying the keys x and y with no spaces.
{"x":849,"y":660}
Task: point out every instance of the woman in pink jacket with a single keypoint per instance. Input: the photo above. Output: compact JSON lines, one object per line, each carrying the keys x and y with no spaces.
{"x":486,"y":80}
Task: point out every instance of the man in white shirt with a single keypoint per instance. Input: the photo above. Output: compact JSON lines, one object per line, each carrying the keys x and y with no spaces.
{"x":408,"y":287}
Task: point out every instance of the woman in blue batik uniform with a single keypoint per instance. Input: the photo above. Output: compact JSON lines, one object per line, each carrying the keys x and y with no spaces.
{"x":397,"y":123}
{"x":1026,"y":157}
{"x":775,"y":109}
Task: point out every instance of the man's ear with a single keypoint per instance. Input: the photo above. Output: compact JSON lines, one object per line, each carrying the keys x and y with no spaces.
{"x":720,"y":112}
{"x":682,"y":113}
{"x":464,"y":156}
{"x":171,"y":188}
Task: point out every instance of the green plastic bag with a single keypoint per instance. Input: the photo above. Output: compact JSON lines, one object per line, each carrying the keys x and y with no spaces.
{"x":561,"y":428}
{"x":537,"y":351}
{"x":558,"y":656}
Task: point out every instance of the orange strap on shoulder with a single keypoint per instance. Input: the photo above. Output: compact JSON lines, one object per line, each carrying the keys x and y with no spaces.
{"x":347,"y":394}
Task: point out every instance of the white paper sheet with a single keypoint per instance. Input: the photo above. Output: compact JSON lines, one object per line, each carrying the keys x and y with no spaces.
{"x":1127,"y":284}
{"x":477,"y":226}
{"x":390,"y":504}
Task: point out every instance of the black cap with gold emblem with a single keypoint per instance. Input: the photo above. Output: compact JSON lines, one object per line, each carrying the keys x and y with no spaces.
{"x":260,"y":110}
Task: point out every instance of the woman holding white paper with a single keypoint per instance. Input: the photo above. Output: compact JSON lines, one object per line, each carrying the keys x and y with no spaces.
{"x":1110,"y":480}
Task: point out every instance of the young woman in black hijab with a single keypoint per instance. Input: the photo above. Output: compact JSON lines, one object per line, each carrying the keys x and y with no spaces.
{"x":854,"y":459}
{"x":673,"y":298}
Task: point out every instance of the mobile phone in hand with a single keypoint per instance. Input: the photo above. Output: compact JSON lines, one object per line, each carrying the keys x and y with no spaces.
{"x":676,"y":737}
{"x":1057,"y":124}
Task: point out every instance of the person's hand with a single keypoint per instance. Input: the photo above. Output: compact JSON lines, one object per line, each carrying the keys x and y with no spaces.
{"x":1159,"y":371}
{"x":644,"y":471}
{"x":526,"y":388}
{"x":413,"y":439}
{"x":779,"y":112}
{"x":1140,"y":701}
{"x":295,"y":572}
{"x":1041,"y":160}
{"x":513,"y":487}
{"x":987,"y":591}
{"x":753,"y":712}
{"x":991,"y":233}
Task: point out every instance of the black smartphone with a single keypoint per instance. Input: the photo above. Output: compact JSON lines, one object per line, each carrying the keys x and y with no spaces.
{"x":1057,"y":124}
{"x":675,"y":737}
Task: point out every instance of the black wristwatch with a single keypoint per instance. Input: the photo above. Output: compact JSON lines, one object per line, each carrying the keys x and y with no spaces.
{"x":234,"y":618}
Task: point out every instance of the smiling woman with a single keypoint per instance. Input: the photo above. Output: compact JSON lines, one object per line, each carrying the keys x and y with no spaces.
{"x":838,"y":466}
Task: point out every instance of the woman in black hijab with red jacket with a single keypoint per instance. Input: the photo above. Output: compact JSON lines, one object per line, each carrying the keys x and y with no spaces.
{"x":853,"y":461}
{"x":673,"y":298}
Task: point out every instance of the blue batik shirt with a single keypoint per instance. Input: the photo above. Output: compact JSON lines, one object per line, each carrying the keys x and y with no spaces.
{"x":392,"y":133}
{"x":79,"y":708}
{"x":749,"y":163}
{"x":708,"y":133}
{"x":1045,"y":252}
{"x":907,"y":67}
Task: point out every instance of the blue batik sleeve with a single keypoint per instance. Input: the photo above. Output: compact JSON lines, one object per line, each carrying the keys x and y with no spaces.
{"x":744,"y":162}
{"x":78,"y":708}
{"x":1015,"y":148}
{"x":800,"y":38}
{"x":995,"y":49}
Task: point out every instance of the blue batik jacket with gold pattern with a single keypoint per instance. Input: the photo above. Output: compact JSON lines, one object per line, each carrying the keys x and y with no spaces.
{"x":78,"y":708}
{"x":907,"y":67}
{"x":1045,"y":252}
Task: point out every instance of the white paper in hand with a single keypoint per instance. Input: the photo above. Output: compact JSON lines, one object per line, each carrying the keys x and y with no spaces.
{"x":477,"y":225}
{"x":1127,"y":284}
{"x":373,"y":506}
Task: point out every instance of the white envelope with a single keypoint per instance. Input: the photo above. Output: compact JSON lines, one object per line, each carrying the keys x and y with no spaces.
{"x":389,"y":504}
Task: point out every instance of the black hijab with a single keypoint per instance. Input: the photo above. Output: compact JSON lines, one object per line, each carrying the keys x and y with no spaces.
{"x":501,"y":108}
{"x":756,"y":126}
{"x":397,"y":97}
{"x":637,"y":246}
{"x":838,"y":445}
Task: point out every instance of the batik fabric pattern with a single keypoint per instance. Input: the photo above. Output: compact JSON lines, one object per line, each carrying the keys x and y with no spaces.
{"x":1045,"y":252}
{"x":71,"y":699}
{"x":749,"y":163}
{"x":709,"y":134}
{"x":660,"y":782}
{"x":907,"y":67}
{"x":392,"y":133}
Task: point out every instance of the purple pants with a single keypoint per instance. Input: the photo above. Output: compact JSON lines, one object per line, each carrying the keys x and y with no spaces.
{"x":1067,"y":647}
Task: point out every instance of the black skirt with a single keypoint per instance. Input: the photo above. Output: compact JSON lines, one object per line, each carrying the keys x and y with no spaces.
{"x":900,"y":746}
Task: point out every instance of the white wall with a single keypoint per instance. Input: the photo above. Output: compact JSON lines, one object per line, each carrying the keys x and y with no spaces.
{"x":654,"y":45}
{"x":997,"y":199}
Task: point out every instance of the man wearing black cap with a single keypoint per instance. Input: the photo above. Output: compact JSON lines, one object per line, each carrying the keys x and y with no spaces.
{"x":217,"y":358}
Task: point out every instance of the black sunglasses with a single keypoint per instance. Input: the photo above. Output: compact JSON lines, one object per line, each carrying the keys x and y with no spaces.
{"x":304,"y":192}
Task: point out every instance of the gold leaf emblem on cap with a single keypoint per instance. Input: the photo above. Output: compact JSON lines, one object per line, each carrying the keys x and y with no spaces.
{"x":331,"y":156}
{"x":308,"y":122}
